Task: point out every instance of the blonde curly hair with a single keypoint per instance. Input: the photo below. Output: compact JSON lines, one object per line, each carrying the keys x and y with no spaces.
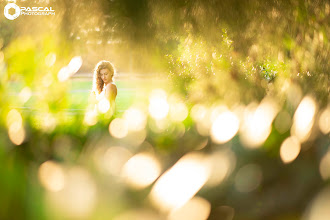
{"x":97,"y":80}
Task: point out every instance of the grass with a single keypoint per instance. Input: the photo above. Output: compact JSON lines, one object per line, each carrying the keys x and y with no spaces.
{"x":129,"y":92}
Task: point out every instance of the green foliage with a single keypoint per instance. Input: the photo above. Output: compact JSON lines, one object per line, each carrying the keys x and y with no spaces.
{"x":219,"y":56}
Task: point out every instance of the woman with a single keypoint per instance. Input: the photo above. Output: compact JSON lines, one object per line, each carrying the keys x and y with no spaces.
{"x":103,"y":85}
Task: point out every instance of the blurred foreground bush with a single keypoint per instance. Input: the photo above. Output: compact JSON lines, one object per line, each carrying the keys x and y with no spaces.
{"x":242,"y":132}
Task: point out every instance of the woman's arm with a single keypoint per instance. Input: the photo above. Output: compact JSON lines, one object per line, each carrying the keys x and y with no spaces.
{"x":111,"y":92}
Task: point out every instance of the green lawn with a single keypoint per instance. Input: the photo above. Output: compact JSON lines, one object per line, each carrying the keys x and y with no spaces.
{"x":129,"y":92}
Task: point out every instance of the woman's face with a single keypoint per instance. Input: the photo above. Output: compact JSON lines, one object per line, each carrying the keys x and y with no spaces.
{"x":105,"y":75}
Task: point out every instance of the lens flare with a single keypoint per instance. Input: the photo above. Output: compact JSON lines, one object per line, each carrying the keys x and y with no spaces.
{"x":195,"y":209}
{"x":141,"y":170}
{"x":181,"y":182}
{"x":224,"y":127}
{"x":290,"y":149}
{"x":51,"y":176}
{"x":304,"y":119}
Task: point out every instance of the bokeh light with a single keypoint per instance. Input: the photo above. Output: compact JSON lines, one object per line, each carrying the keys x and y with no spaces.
{"x":51,"y":176}
{"x":78,"y":197}
{"x":248,"y":178}
{"x":48,"y":122}
{"x":290,"y":149}
{"x":257,"y":123}
{"x":75,"y":64}
{"x":25,"y":94}
{"x":283,"y":122}
{"x":118,"y":128}
{"x":50,"y":59}
{"x":201,"y":115}
{"x":181,"y":182}
{"x":141,"y":170}
{"x":324,"y":120}
{"x":16,"y":131}
{"x":63,"y":74}
{"x":304,"y":119}
{"x":222,"y":164}
{"x":66,"y":72}
{"x":90,"y":118}
{"x":325,"y":166}
{"x":104,"y":105}
{"x":136,"y":119}
{"x":158,"y":105}
{"x":319,"y":207}
{"x":224,"y":127}
{"x":197,"y":208}
{"x":138,"y":214}
{"x":114,"y":159}
{"x":178,"y":112}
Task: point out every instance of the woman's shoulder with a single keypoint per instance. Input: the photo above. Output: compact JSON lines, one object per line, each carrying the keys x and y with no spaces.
{"x":111,"y":86}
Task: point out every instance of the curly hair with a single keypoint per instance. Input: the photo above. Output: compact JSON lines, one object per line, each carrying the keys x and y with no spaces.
{"x":97,"y":80}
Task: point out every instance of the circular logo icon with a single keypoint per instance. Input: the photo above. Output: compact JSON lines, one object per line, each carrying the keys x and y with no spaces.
{"x":13,"y":16}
